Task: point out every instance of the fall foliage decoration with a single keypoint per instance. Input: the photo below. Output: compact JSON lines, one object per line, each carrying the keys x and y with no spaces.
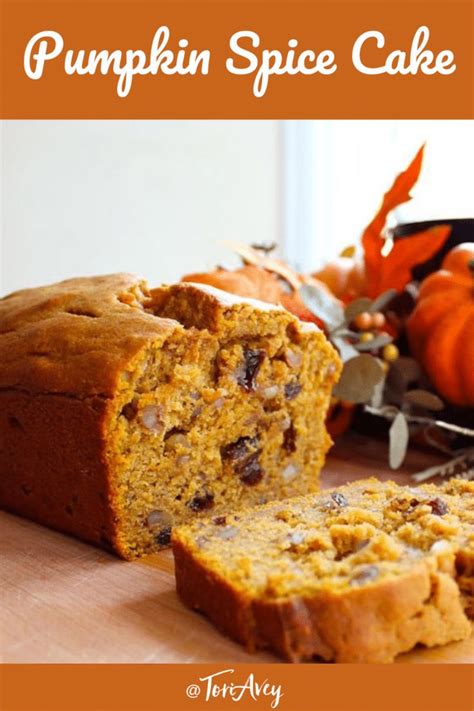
{"x":441,"y":328}
{"x":379,"y":270}
{"x":395,"y":270}
{"x":365,"y":299}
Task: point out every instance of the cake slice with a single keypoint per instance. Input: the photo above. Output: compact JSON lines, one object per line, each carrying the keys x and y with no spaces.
{"x":125,"y":411}
{"x":355,"y":574}
{"x":465,"y":553}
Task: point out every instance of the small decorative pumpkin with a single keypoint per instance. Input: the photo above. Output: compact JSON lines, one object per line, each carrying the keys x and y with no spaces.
{"x":345,"y":277}
{"x":249,"y":281}
{"x":441,"y":328}
{"x":256,"y":282}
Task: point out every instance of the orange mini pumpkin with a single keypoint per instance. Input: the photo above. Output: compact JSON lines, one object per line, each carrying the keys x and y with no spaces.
{"x":441,"y":328}
{"x":344,"y":276}
{"x":256,"y":282}
{"x":249,"y":281}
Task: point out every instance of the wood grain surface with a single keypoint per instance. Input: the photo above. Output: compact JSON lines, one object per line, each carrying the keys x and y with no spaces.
{"x":65,"y":601}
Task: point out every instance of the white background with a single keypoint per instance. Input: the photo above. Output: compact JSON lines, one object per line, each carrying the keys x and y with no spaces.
{"x":151,"y":197}
{"x":157,"y":197}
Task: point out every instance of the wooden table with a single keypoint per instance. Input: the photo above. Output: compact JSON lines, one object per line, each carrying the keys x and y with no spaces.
{"x":64,"y":601}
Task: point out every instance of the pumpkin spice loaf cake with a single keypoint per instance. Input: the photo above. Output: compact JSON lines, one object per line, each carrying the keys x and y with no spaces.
{"x":355,"y":574}
{"x":124,"y":411}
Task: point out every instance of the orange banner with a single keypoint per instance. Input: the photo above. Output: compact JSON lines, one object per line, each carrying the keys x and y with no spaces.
{"x":218,"y":59}
{"x":202,"y":687}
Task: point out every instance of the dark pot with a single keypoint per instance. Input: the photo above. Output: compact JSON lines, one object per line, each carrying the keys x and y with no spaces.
{"x":462,"y":230}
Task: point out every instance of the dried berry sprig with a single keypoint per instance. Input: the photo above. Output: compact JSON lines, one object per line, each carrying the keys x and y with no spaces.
{"x":461,"y":466}
{"x":404,"y":399}
{"x":364,"y":352}
{"x":399,"y":435}
{"x":390,"y":412}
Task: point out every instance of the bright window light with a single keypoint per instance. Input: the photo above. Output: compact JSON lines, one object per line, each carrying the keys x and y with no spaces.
{"x":336,"y":172}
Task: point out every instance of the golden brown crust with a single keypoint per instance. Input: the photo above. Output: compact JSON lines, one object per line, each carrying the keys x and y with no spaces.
{"x":281,"y":594}
{"x":63,"y":349}
{"x":109,"y":397}
{"x":202,"y":590}
{"x":54,"y":465}
{"x":371,"y":625}
{"x":367,"y":625}
{"x":77,"y":336}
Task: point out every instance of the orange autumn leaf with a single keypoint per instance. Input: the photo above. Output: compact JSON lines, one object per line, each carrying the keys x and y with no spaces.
{"x":372,"y":239}
{"x":395,"y":269}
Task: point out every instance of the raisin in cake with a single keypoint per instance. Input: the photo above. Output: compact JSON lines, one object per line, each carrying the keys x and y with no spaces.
{"x":355,"y":574}
{"x":125,"y":411}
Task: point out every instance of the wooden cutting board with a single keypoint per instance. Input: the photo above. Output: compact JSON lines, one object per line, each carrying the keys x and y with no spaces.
{"x":64,"y":601}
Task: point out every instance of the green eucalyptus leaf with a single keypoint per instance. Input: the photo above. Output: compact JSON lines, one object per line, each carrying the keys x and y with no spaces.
{"x":378,"y":394}
{"x":322,"y":305}
{"x":424,"y":399}
{"x":346,"y":350}
{"x":359,"y":377}
{"x":383,"y":300}
{"x":345,"y":332}
{"x":374,"y":344}
{"x":403,"y":372}
{"x":399,"y":436}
